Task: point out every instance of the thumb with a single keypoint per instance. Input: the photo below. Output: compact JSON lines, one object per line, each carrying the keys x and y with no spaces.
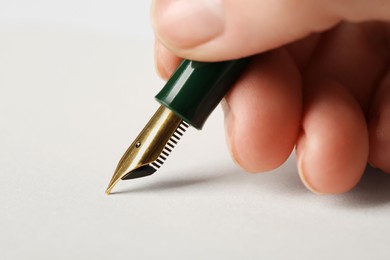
{"x":228,"y":29}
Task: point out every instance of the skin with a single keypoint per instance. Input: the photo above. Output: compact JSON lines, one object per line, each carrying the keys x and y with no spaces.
{"x":322,"y":87}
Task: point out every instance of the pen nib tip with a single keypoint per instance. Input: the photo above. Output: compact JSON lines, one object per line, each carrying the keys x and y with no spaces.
{"x":114,"y":180}
{"x":151,"y":148}
{"x":108,"y":191}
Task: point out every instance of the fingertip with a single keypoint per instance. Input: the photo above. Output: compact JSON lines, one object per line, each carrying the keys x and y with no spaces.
{"x":379,"y":126}
{"x":165,"y":61}
{"x":183,"y":25}
{"x":213,"y":30}
{"x":300,"y":155}
{"x":332,"y":153}
{"x":302,"y":175}
{"x":262,"y":113}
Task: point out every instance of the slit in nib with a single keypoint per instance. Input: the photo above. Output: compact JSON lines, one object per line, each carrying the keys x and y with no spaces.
{"x":151,"y":148}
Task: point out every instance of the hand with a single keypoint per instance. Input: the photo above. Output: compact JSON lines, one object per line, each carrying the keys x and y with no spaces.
{"x":323,"y":87}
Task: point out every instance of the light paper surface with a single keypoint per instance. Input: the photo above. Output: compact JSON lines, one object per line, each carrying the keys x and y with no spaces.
{"x":72,"y":100}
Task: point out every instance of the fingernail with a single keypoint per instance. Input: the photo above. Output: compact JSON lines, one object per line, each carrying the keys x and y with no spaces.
{"x":228,"y":117}
{"x":225,"y":107}
{"x":302,"y":172}
{"x":188,"y":23}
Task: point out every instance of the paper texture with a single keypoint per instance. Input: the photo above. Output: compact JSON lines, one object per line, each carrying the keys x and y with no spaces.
{"x":70,"y":104}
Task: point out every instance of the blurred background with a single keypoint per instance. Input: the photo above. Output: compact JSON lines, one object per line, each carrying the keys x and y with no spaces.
{"x":125,"y":18}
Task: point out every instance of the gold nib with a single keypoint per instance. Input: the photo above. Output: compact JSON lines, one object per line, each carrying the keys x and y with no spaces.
{"x":151,"y":148}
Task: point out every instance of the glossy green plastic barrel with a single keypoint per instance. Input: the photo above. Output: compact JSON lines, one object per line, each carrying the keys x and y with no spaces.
{"x":196,"y":88}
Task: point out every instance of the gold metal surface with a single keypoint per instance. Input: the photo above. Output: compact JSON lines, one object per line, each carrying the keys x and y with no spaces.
{"x":148,"y":146}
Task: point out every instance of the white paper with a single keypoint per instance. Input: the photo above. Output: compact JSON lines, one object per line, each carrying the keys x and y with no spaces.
{"x":71,"y":101}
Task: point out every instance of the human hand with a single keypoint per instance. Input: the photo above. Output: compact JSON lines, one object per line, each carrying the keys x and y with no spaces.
{"x":323,"y":87}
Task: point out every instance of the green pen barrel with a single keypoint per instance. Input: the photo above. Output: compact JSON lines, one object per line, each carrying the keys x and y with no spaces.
{"x":196,"y":88}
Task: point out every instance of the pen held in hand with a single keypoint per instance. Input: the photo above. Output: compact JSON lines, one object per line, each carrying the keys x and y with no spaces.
{"x":188,"y":98}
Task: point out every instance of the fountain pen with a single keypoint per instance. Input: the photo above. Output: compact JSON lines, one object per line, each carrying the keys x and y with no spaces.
{"x":187,"y":99}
